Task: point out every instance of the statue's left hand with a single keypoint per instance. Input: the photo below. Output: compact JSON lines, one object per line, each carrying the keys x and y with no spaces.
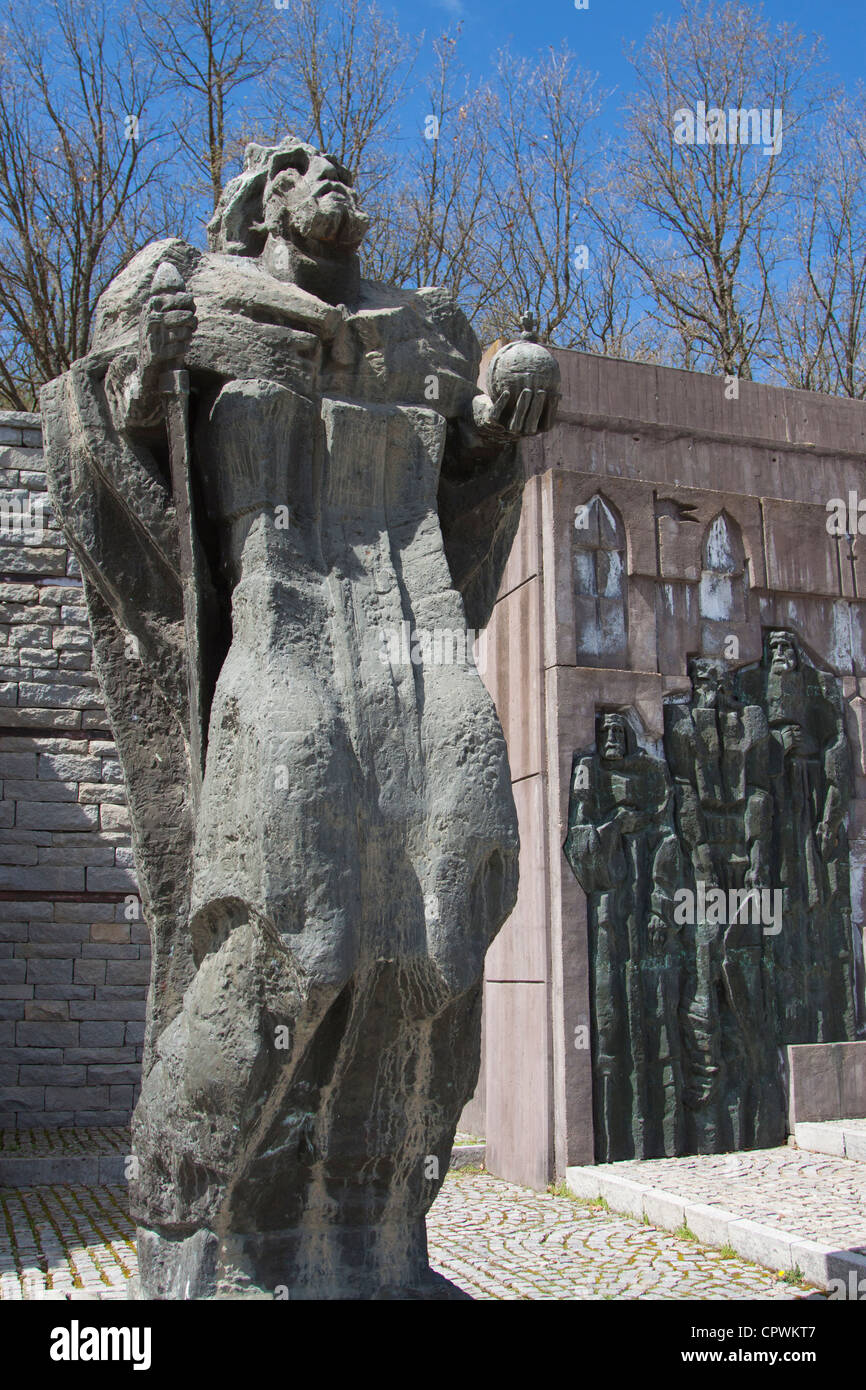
{"x":519,"y":414}
{"x":526,"y":413}
{"x":657,"y":933}
{"x":792,"y":738}
{"x":523,"y":388}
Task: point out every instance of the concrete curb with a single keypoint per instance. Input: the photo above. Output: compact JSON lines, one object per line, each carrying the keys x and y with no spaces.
{"x":89,"y":1170}
{"x":764,"y":1245}
{"x":467,"y":1155}
{"x":834,"y":1139}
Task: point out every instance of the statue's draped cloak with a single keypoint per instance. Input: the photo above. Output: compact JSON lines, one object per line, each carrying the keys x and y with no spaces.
{"x":112,"y":493}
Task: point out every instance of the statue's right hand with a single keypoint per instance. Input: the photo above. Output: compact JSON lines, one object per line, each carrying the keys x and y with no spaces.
{"x":167,"y":325}
{"x":168,"y":321}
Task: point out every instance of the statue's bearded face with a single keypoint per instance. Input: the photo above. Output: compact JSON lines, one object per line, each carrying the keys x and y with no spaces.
{"x":783,"y":655}
{"x":310,"y":200}
{"x":613,"y":743}
{"x":708,"y":682}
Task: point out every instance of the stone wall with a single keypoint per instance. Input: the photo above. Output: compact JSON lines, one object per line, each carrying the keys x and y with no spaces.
{"x":74,"y":953}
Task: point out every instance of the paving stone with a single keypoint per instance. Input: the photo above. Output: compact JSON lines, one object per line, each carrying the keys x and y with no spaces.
{"x":493,"y":1239}
{"x":812,"y":1196}
{"x":497,"y":1240}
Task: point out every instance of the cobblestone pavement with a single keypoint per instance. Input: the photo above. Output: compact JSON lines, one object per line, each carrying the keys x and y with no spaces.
{"x":64,"y":1238}
{"x":811,"y":1195}
{"x":493,"y":1239}
{"x":55,"y":1143}
{"x":496,"y":1240}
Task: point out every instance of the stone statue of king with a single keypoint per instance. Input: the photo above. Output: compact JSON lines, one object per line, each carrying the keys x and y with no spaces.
{"x":262,"y":463}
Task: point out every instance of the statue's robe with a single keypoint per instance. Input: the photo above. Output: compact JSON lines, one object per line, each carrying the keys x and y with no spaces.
{"x":622,"y":849}
{"x":813,"y":958}
{"x":718,"y":757}
{"x":325,"y":909}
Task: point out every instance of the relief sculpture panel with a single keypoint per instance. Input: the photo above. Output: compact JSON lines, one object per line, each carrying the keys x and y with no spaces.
{"x":719,"y":913}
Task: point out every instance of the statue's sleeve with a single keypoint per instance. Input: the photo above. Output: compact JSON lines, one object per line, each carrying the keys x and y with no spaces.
{"x":117,"y":512}
{"x":481,"y":481}
{"x":480,"y":495}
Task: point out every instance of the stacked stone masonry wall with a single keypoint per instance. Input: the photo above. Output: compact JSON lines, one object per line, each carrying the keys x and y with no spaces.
{"x":74,"y":952}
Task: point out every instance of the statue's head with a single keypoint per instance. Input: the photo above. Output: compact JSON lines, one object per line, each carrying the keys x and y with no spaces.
{"x":612,"y":736}
{"x":291,"y":204}
{"x":783,"y":651}
{"x":710,"y":682}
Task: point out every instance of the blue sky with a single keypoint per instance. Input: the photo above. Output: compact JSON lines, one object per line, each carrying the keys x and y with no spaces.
{"x":598,"y":35}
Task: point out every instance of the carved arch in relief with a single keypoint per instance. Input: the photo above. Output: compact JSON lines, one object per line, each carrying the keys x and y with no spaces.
{"x":724,"y":584}
{"x":600,"y":577}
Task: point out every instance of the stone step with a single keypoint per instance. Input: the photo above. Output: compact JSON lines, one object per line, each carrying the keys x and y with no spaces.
{"x":90,"y":1155}
{"x":841,"y":1138}
{"x":43,"y":1158}
{"x":759,"y":1213}
{"x":468,"y":1156}
{"x":91,"y":1170}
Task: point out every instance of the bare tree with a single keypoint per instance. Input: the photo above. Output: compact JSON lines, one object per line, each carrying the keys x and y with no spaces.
{"x":338,"y":76}
{"x":701,"y":192}
{"x":542,"y":255}
{"x":80,"y":171}
{"x":494,"y":203}
{"x":430,"y":227}
{"x":711,"y":254}
{"x":213,"y":53}
{"x":819,"y":340}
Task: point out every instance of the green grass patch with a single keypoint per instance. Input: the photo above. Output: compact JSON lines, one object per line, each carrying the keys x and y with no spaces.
{"x":560,"y":1189}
